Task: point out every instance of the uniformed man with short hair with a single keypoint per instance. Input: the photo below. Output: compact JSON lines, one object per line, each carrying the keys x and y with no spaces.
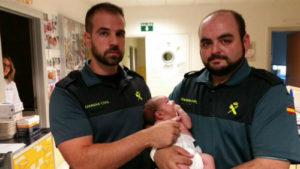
{"x":96,"y":114}
{"x":244,"y":117}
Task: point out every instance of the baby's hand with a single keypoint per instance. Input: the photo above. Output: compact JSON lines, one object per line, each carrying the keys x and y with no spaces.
{"x":177,"y":118}
{"x":185,"y":118}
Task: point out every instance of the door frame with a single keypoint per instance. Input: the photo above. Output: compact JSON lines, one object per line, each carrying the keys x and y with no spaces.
{"x":38,"y":55}
{"x":292,"y":70}
{"x":2,"y":88}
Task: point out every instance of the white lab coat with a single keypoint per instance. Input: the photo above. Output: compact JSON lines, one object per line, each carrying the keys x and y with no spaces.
{"x":11,"y":92}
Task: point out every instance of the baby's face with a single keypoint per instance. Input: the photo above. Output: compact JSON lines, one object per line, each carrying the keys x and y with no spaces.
{"x":168,"y":107}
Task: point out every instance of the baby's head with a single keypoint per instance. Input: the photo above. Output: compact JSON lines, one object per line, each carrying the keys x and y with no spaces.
{"x":159,"y":108}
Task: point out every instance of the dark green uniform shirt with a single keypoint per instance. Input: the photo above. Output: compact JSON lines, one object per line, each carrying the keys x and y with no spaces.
{"x":83,"y":104}
{"x":242,"y":119}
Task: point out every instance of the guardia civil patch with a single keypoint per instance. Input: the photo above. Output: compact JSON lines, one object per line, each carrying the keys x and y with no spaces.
{"x":233,"y":108}
{"x":138,"y":96}
{"x":291,"y":110}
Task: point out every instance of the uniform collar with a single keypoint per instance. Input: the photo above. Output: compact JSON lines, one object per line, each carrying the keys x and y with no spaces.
{"x":90,"y":78}
{"x":237,"y":77}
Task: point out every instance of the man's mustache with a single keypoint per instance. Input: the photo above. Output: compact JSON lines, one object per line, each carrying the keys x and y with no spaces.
{"x":114,"y":49}
{"x":217,"y":57}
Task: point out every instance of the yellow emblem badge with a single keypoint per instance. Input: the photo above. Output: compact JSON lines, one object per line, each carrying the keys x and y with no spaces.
{"x":138,"y":95}
{"x":233,"y":107}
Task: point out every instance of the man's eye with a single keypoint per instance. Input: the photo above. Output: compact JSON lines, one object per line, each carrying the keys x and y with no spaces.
{"x":121,"y":34}
{"x":226,"y":41}
{"x":103,"y":33}
{"x":205,"y":44}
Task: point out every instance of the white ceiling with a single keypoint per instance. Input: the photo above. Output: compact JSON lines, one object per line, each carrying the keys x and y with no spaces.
{"x":134,"y":3}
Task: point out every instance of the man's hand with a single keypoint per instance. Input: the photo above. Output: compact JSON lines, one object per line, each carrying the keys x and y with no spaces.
{"x":163,"y":134}
{"x":168,"y":158}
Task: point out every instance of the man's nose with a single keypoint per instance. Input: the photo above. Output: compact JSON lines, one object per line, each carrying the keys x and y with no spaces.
{"x":216,"y":48}
{"x":113,"y":40}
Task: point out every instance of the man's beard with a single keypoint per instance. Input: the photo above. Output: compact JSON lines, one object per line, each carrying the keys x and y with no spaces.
{"x":107,"y":60}
{"x":232,"y":66}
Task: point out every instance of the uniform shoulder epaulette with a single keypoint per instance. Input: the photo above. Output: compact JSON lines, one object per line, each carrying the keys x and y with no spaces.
{"x":267,"y":76}
{"x":132,"y":73}
{"x":193,"y":73}
{"x":70,"y":78}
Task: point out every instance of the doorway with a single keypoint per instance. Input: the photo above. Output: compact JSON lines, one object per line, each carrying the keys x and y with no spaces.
{"x":16,"y":43}
{"x":279,"y":49}
{"x":25,"y":45}
{"x":135,"y":55}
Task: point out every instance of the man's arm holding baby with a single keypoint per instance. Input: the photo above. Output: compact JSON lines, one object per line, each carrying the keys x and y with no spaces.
{"x":168,"y":158}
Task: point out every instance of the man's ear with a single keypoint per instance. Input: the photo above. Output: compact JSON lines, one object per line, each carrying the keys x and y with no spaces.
{"x":88,"y":39}
{"x":158,"y":115}
{"x":246,"y":42}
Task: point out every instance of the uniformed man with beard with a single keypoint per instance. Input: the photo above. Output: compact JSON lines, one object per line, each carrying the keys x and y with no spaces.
{"x":244,"y":117}
{"x":96,"y":114}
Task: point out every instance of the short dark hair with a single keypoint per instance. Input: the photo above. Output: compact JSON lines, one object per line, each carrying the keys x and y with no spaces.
{"x":238,"y":18}
{"x":149,"y":111}
{"x":150,"y":107}
{"x":107,"y":7}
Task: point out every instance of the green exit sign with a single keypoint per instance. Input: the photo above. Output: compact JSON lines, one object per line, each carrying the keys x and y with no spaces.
{"x":147,"y":27}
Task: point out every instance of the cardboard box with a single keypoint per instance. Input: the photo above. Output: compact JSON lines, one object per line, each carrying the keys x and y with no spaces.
{"x":8,"y":107}
{"x":11,"y":111}
{"x":12,"y":116}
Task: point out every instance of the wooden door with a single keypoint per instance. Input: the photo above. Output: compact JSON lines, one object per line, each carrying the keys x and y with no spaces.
{"x":293,"y":60}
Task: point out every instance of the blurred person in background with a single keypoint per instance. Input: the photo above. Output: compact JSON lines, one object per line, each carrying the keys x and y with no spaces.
{"x":9,"y":71}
